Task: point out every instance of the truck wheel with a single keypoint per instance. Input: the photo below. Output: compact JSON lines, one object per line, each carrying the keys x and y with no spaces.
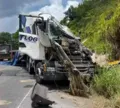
{"x":28,"y":66}
{"x":38,"y":73}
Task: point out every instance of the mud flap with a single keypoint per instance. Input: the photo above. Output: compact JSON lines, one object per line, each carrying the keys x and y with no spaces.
{"x":39,"y":96}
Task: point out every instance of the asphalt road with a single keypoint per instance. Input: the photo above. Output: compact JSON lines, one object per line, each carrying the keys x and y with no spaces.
{"x":15,"y":83}
{"x":15,"y":89}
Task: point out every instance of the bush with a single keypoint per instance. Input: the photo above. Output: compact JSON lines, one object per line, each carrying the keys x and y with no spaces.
{"x":107,"y":82}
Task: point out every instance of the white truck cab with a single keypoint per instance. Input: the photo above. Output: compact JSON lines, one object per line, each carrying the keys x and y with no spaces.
{"x":46,"y":44}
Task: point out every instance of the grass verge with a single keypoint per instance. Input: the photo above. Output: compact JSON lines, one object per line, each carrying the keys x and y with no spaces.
{"x":107,"y":82}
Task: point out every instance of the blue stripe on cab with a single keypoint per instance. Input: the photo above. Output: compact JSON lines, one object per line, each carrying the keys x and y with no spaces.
{"x":28,"y":30}
{"x":23,"y":20}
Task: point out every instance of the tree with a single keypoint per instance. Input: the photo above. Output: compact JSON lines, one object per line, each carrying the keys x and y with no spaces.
{"x":70,"y":13}
{"x":5,"y":38}
{"x":15,"y":41}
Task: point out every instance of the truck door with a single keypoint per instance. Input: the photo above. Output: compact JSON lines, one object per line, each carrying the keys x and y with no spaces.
{"x":29,"y":44}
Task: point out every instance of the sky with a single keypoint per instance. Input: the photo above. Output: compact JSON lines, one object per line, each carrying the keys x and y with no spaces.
{"x":10,"y":9}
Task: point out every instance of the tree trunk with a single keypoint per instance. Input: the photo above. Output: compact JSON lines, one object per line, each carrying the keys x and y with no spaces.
{"x":77,"y":85}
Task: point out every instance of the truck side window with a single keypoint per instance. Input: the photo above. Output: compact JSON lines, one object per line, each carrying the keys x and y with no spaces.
{"x":42,"y":26}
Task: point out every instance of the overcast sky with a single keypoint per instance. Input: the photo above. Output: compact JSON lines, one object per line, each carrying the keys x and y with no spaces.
{"x":10,"y":9}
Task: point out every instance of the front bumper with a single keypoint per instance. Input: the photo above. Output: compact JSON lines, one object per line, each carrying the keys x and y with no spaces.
{"x":54,"y":76}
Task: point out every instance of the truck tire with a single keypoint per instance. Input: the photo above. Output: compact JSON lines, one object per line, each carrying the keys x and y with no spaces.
{"x":28,"y":66}
{"x":38,"y":73}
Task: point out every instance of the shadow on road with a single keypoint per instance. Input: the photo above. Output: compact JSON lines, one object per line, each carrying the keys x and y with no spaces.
{"x":39,"y":106}
{"x":56,"y":85}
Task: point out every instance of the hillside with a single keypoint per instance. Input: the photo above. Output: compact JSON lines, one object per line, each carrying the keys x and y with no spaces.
{"x":98,"y":22}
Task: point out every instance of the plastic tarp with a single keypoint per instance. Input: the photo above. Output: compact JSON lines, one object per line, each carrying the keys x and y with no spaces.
{"x":5,"y":62}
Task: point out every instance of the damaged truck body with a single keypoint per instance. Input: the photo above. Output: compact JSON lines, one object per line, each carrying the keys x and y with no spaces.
{"x":50,"y":50}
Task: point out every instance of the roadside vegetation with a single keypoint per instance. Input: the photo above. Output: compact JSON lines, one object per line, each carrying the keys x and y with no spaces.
{"x":107,"y":84}
{"x":97,"y":22}
{"x":107,"y":81}
{"x":8,"y":38}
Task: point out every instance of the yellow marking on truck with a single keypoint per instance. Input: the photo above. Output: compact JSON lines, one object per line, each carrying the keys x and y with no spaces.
{"x":25,"y":81}
{"x":45,"y":67}
{"x":4,"y":102}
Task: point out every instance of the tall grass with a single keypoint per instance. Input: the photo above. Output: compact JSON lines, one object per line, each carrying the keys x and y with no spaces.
{"x":107,"y":82}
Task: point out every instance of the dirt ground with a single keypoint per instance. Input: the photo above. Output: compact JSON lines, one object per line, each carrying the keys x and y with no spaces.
{"x":93,"y":101}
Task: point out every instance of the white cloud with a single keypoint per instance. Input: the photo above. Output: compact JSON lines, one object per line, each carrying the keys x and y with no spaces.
{"x":9,"y":14}
{"x":71,"y":3}
{"x":35,"y":6}
{"x":10,"y":24}
{"x":56,"y":8}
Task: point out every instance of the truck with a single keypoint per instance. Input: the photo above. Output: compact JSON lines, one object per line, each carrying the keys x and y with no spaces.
{"x":5,"y":52}
{"x":51,"y":49}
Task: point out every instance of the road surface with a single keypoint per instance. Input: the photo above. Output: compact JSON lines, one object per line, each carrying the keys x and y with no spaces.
{"x":15,"y":90}
{"x":15,"y":83}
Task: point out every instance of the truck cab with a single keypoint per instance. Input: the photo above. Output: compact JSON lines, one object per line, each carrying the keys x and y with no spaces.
{"x":5,"y":52}
{"x":46,"y":46}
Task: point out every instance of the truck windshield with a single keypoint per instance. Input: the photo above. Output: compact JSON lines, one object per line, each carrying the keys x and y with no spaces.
{"x":63,"y":28}
{"x":55,"y":30}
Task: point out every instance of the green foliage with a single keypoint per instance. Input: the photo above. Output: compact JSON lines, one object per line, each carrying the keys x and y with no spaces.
{"x":5,"y":38}
{"x":15,"y":41}
{"x":98,"y":21}
{"x":15,"y":35}
{"x":107,"y":82}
